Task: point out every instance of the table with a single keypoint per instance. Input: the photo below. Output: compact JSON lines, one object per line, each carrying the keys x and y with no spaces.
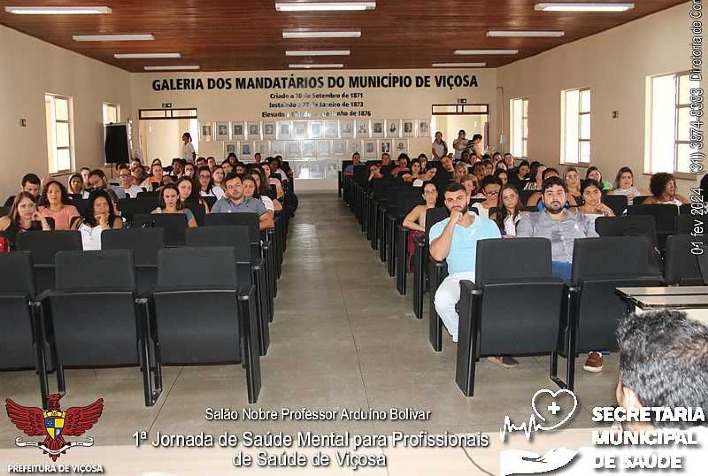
{"x":693,"y":299}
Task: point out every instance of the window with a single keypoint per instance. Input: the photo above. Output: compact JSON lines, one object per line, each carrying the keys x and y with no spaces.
{"x":59,"y":133}
{"x":575,"y":126}
{"x":111,"y":113}
{"x":668,"y":144}
{"x":519,"y":128}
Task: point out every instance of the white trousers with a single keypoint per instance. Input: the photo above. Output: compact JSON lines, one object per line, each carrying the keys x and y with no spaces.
{"x":446,"y":298}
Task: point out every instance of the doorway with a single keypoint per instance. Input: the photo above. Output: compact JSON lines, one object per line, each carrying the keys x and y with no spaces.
{"x":161,"y":133}
{"x":451,"y":118}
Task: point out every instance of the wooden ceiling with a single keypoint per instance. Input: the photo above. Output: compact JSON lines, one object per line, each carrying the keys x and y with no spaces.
{"x":242,"y":35}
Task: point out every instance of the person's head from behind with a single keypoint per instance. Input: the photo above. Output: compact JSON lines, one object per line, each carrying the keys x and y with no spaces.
{"x":76,"y":183}
{"x":31,"y":184}
{"x":663,"y":363}
{"x":186,"y":189}
{"x":446,"y":163}
{"x":594,"y":174}
{"x":234,"y":187}
{"x":186,"y":137}
{"x":54,"y":194}
{"x":624,"y":178}
{"x":250,"y":187}
{"x":553,"y":191}
{"x":457,"y":198}
{"x":549,"y":172}
{"x":356,"y":158}
{"x":97,"y":180}
{"x":23,"y":208}
{"x":430,"y":194}
{"x":471,"y":184}
{"x":169,"y":197}
{"x":491,"y":186}
{"x":662,"y":183}
{"x":591,"y":191}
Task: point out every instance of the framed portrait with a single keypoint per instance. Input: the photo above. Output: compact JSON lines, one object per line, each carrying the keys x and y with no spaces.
{"x":339,"y":148}
{"x":246,"y":149}
{"x":362,"y":128}
{"x":232,"y":147}
{"x":260,"y":147}
{"x":377,"y":129}
{"x":393,"y":128}
{"x":408,"y":128}
{"x":423,"y":128}
{"x":254,"y":130}
{"x":299,"y":129}
{"x":277,"y":148}
{"x":308,"y":149}
{"x":222,"y":131}
{"x":346,"y":128}
{"x":206,"y":132}
{"x":324,"y":149}
{"x":238,"y":131}
{"x":353,"y":147}
{"x":284,"y":130}
{"x":370,"y":149}
{"x":401,"y":146}
{"x":292,"y":149}
{"x":268,"y":130}
{"x":315,"y":130}
{"x":385,"y":147}
{"x":331,"y":129}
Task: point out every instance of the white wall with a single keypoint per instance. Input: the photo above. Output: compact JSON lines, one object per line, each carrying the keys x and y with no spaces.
{"x":29,"y":68}
{"x":614,"y":65}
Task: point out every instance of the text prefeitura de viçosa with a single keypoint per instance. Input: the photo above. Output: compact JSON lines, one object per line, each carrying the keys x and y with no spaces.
{"x":450,"y":81}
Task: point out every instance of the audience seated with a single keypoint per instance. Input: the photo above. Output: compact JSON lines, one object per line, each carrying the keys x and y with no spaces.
{"x":663,"y":191}
{"x":593,"y":173}
{"x":170,"y":203}
{"x":520,"y":175}
{"x":23,"y":217}
{"x":624,"y":185}
{"x":188,"y":194}
{"x":415,"y":220}
{"x":508,"y":211}
{"x":217,"y":174}
{"x":461,"y":170}
{"x":55,"y":203}
{"x":280,"y":193}
{"x":98,"y":181}
{"x":189,"y":170}
{"x":30,"y":184}
{"x":236,"y":202}
{"x":206,"y":184}
{"x":250,"y":190}
{"x":572,"y":181}
{"x":75,"y":185}
{"x":502,"y":175}
{"x":125,"y":177}
{"x":349,"y":169}
{"x":262,"y":189}
{"x":537,"y":173}
{"x":100,"y":215}
{"x":491,"y":187}
{"x":401,"y":166}
{"x":471,"y":184}
{"x":592,"y":205}
{"x":154,"y":181}
{"x":536,"y":200}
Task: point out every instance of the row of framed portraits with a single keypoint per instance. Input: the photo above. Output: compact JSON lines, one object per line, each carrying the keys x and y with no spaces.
{"x":310,"y":149}
{"x":327,"y":129}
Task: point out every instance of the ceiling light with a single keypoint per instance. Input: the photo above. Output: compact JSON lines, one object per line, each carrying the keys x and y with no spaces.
{"x":170,"y":68}
{"x":146,"y":55}
{"x":486,"y":52}
{"x":119,"y":37}
{"x":459,"y":65}
{"x":584,"y":7}
{"x":317,"y":53}
{"x":318,"y":66}
{"x":57,"y":10}
{"x":321,"y":34}
{"x":324,"y":6}
{"x":525,"y":34}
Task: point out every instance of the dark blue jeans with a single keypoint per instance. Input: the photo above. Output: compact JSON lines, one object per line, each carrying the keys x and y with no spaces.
{"x":561,"y":269}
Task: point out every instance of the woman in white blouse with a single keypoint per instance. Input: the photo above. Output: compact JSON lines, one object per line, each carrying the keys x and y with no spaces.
{"x":99,"y":216}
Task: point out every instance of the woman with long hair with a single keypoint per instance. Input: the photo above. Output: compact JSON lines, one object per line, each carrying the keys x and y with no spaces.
{"x":169,"y":202}
{"x":54,"y":202}
{"x":76,"y":184}
{"x":218,"y":174}
{"x":206,"y":184}
{"x":23,"y":217}
{"x":280,"y":193}
{"x":537,"y":176}
{"x":572,"y":181}
{"x":415,"y":220}
{"x":624,"y":185}
{"x":592,"y":200}
{"x":189,"y":194}
{"x":508,"y":212}
{"x":263,"y":190}
{"x":99,"y":215}
{"x":250,"y":190}
{"x":593,"y":173}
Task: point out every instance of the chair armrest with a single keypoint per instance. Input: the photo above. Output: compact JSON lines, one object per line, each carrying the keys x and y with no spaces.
{"x":468,"y":286}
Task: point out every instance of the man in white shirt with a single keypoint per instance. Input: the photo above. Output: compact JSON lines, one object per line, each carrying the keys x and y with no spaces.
{"x":126,"y":183}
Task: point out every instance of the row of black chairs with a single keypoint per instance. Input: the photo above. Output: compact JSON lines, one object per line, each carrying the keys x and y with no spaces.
{"x":200,"y":312}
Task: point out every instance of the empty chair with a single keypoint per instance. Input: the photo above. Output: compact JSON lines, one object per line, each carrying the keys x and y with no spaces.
{"x":20,"y":337}
{"x":144,"y":243}
{"x":512,"y":308}
{"x":203,"y":312}
{"x":637,"y":225}
{"x":129,"y":207}
{"x":174,"y":224}
{"x":96,"y":318}
{"x":687,"y":224}
{"x":664,"y":216}
{"x":686,"y":208}
{"x":681,"y":263}
{"x":44,"y":245}
{"x":618,"y":203}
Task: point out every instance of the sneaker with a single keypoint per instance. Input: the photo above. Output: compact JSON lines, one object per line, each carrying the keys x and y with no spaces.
{"x":503,"y":360}
{"x":593,"y":362}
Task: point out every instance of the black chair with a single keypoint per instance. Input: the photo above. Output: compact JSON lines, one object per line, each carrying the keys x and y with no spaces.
{"x":637,"y":225}
{"x":144,"y":243}
{"x":687,"y":224}
{"x":174,"y":224}
{"x":618,"y":203}
{"x":95,"y":319}
{"x":407,"y":201}
{"x":664,"y":216}
{"x":21,"y":337}
{"x":198,"y":211}
{"x":149,"y":194}
{"x":681,"y":264}
{"x":129,"y":207}
{"x":210,"y":201}
{"x":203,"y":314}
{"x":686,"y":208}
{"x":238,"y":237}
{"x":639,"y":199}
{"x":513,"y":307}
{"x":4,"y":211}
{"x":44,"y":245}
{"x":421,"y":257}
{"x":600,"y":265}
{"x":437,"y":272}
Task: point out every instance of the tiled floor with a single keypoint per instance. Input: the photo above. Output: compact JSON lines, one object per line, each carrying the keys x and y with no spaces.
{"x":342,"y":338}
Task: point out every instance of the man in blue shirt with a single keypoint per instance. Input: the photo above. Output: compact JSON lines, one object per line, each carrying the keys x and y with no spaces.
{"x":236,"y":202}
{"x":455,"y":240}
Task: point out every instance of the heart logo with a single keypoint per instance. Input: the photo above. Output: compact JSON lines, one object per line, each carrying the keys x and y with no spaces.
{"x":556,"y":407}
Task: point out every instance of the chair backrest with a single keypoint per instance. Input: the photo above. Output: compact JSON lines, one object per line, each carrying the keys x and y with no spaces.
{"x":236,"y":236}
{"x":346,"y":163}
{"x":408,"y":199}
{"x":618,"y":203}
{"x":129,"y":207}
{"x":681,"y":264}
{"x":16,"y":276}
{"x":45,"y":244}
{"x":686,"y":208}
{"x":210,"y":201}
{"x":197,"y":267}
{"x":248,"y":219}
{"x":144,"y":242}
{"x":198,"y":211}
{"x":148,"y":194}
{"x":4,"y":211}
{"x":664,"y":215}
{"x":360,"y":174}
{"x":432,"y":216}
{"x":174,"y":224}
{"x":687,"y":224}
{"x":517,"y":259}
{"x":638,"y":225}
{"x":95,"y":271}
{"x":612,"y":256}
